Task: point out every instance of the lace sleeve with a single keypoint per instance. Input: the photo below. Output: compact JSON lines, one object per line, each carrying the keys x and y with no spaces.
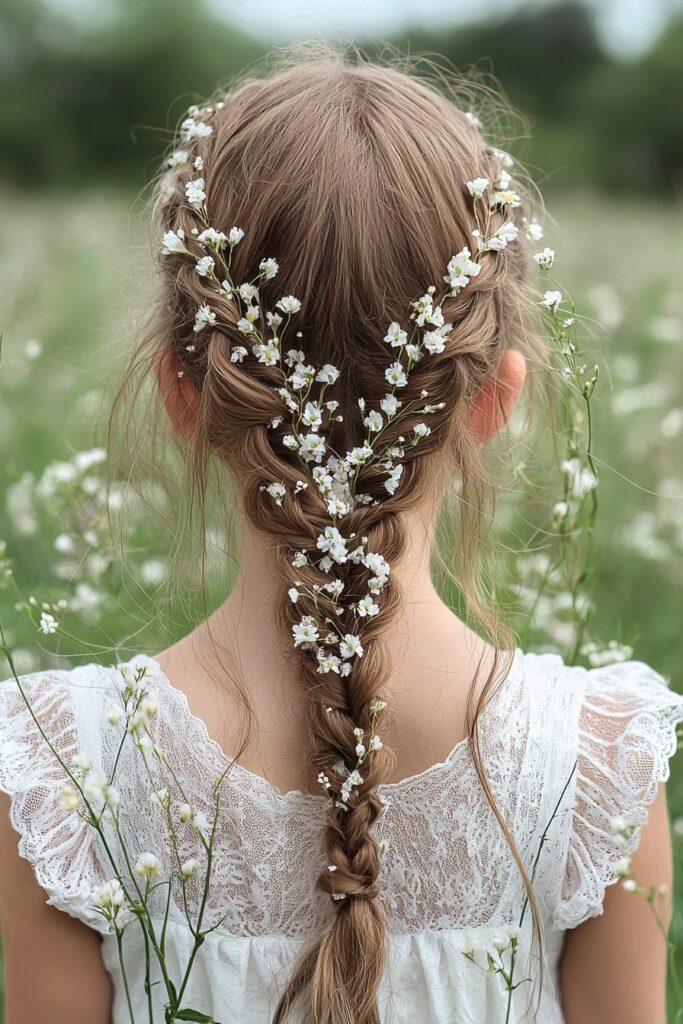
{"x":62,"y":849}
{"x":627,"y":734}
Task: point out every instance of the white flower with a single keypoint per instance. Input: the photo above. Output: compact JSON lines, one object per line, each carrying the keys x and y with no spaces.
{"x":189,"y":868}
{"x":421,"y":430}
{"x":327,"y":374}
{"x":191,"y":129}
{"x":294,"y":595}
{"x":338,"y":507}
{"x":277,"y":491}
{"x":373,"y":421}
{"x":560,"y":509}
{"x":268,"y":268}
{"x":173,"y":242}
{"x":392,"y":482}
{"x":245,"y":326}
{"x":200,"y":821}
{"x":312,"y":448}
{"x":177,"y":159}
{"x":366,"y":606}
{"x":617,"y":823}
{"x":389,"y":405}
{"x":503,"y":181}
{"x":209,"y":236}
{"x":327,"y":663}
{"x":630,"y":885}
{"x":396,"y":375}
{"x":534,"y":231}
{"x":434,"y":341}
{"x":622,"y":866}
{"x":82,"y":762}
{"x":204,"y":266}
{"x":312,"y":416}
{"x":291,"y":442}
{"x":375,"y":743}
{"x":351,"y":646}
{"x":506,"y":233}
{"x":359,"y":455}
{"x":332,"y":543}
{"x":305,"y":632}
{"x":248,"y":291}
{"x":461,"y":268}
{"x":194,"y":190}
{"x":204,"y":317}
{"x":378,"y":566}
{"x":69,"y":798}
{"x":235,"y":236}
{"x":551,"y":300}
{"x":288,"y":304}
{"x":473,"y":119}
{"x":395,"y":336}
{"x":114,"y":714}
{"x":185,"y":813}
{"x":582,"y":480}
{"x":545,"y":258}
{"x":238,"y":353}
{"x":147,"y":866}
{"x":300,"y":559}
{"x":109,"y":900}
{"x":198,"y":163}
{"x":505,"y":158}
{"x":267,"y":353}
{"x":505,"y":198}
{"x":48,"y":623}
{"x":477,"y":187}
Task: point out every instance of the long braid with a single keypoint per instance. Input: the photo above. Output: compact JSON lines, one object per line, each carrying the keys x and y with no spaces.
{"x":240,"y":416}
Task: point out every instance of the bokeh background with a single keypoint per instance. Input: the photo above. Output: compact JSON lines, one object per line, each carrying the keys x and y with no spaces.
{"x":89,"y":92}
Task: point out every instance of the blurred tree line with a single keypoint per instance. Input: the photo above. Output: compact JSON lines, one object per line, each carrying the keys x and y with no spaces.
{"x":95,"y":98}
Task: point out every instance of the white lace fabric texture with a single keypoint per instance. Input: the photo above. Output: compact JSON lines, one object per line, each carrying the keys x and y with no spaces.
{"x":608,"y":733}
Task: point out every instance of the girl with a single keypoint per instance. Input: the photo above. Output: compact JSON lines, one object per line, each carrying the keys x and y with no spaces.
{"x":422,"y":825}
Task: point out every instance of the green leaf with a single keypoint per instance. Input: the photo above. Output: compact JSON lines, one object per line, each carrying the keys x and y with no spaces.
{"x":195,"y":1015}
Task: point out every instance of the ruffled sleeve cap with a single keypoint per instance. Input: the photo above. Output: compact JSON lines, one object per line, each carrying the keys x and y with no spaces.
{"x":627,"y":733}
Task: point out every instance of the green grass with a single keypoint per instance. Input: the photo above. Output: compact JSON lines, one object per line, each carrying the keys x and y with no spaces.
{"x":74,"y":278}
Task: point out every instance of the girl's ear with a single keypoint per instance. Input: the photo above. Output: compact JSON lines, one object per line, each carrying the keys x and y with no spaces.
{"x":496,"y":401}
{"x":179,"y":397}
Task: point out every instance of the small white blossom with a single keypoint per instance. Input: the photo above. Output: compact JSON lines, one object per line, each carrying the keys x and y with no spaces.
{"x":461,"y":268}
{"x":288,"y":304}
{"x":177,"y":159}
{"x":551,"y":300}
{"x":294,"y":595}
{"x":366,"y":606}
{"x":48,"y":623}
{"x":327,"y":374}
{"x":396,"y":375}
{"x":477,"y":187}
{"x":506,"y":198}
{"x":194,"y":190}
{"x":266,"y":352}
{"x":69,"y":798}
{"x":582,"y":480}
{"x":268,"y":268}
{"x":545,"y":258}
{"x":235,"y":236}
{"x":351,"y":646}
{"x":114,"y":714}
{"x":277,"y":491}
{"x":421,"y":430}
{"x":209,"y":236}
{"x":82,"y":762}
{"x":312,"y":448}
{"x":205,"y":266}
{"x":204,"y":317}
{"x":300,"y":559}
{"x":185,"y":813}
{"x":622,"y":866}
{"x":173,"y":242}
{"x":312,"y":416}
{"x":373,"y":421}
{"x":395,"y":336}
{"x":191,"y":129}
{"x":390,"y":405}
{"x":305,"y":632}
{"x":534,"y":231}
{"x":147,"y":866}
{"x":189,"y":868}
{"x":273,"y":320}
{"x":393,"y":480}
{"x":238,"y":353}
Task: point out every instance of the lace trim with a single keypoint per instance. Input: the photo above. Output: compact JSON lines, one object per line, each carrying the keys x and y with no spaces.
{"x":297,"y":795}
{"x":627,"y":736}
{"x":61,"y":848}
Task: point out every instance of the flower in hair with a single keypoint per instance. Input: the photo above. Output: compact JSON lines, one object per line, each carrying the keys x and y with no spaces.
{"x":191,"y":129}
{"x":461,"y":269}
{"x":395,"y":336}
{"x":551,"y":300}
{"x":205,"y":266}
{"x":288,"y":304}
{"x":177,"y":159}
{"x":209,"y":236}
{"x":194,"y":190}
{"x":174,"y":243}
{"x":204,"y":317}
{"x":477,"y":187}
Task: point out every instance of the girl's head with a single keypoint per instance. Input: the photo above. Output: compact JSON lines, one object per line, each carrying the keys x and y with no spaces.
{"x":354,"y":178}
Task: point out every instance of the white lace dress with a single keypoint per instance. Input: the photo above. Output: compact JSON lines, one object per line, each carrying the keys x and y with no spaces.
{"x":451,"y":890}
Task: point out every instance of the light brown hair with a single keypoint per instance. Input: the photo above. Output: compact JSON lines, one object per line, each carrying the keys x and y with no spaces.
{"x":353,"y":176}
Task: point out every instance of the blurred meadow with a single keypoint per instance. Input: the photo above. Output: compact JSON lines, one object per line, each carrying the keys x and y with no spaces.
{"x":89,"y":94}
